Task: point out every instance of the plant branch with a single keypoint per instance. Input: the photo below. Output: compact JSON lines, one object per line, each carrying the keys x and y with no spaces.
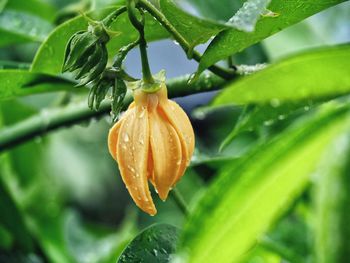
{"x":53,"y":119}
{"x":222,"y":72}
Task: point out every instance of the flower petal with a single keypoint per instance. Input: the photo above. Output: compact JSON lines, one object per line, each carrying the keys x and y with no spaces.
{"x":132,"y":157}
{"x":166,"y":153}
{"x":113,"y":139}
{"x":114,"y":132}
{"x":181,"y":123}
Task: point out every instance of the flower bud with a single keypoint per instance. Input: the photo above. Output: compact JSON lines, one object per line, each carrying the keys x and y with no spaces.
{"x":153,"y":141}
{"x":86,"y":53}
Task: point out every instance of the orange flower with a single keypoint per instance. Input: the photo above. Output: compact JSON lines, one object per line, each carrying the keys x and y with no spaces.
{"x":154,"y":141}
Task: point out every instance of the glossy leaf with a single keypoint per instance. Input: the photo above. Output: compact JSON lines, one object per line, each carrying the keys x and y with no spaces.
{"x":195,"y":30}
{"x":251,"y":193}
{"x":287,"y":13}
{"x":50,"y":56}
{"x":21,"y":83}
{"x":20,"y":27}
{"x":316,"y":74}
{"x":155,"y":244}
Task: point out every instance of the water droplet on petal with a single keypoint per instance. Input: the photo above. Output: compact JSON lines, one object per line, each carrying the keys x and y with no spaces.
{"x":126,"y":137}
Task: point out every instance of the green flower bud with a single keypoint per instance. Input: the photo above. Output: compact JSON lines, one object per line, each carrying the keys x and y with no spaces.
{"x":98,"y":68}
{"x":80,"y":48}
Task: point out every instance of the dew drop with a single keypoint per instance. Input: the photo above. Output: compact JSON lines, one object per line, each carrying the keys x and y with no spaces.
{"x":126,"y":137}
{"x":142,"y":114}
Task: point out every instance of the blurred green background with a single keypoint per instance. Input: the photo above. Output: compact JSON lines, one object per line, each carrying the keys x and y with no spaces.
{"x":61,"y":197}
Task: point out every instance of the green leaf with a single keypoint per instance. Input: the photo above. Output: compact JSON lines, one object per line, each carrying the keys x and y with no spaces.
{"x":315,"y":74}
{"x":211,"y":9}
{"x":246,"y":17}
{"x":332,"y":200}
{"x":232,"y":41}
{"x":2,"y":4}
{"x":12,"y":218}
{"x":50,"y":56}
{"x":255,"y":117}
{"x":194,"y":30}
{"x":19,"y":27}
{"x":250,"y":194}
{"x":38,"y":8}
{"x":153,"y":245}
{"x":21,"y":83}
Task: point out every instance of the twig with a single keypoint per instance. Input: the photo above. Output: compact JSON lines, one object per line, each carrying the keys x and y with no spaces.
{"x":53,"y":119}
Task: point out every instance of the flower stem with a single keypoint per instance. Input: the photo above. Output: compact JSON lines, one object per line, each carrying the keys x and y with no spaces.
{"x":139,"y":25}
{"x":222,"y":72}
{"x":179,"y":201}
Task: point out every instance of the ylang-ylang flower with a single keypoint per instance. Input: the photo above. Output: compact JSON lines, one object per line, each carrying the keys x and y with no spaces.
{"x":153,"y":141}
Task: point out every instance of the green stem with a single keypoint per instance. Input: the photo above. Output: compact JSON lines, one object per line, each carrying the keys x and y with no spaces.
{"x":222,"y":72}
{"x":50,"y":120}
{"x":180,"y":201}
{"x":139,"y":25}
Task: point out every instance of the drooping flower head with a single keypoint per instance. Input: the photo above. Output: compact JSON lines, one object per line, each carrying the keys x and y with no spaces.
{"x":153,"y":141}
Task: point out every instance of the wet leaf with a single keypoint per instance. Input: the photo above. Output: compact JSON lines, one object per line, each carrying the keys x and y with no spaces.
{"x":260,"y":187}
{"x":232,"y":41}
{"x":315,"y":74}
{"x":20,"y":27}
{"x":153,"y":245}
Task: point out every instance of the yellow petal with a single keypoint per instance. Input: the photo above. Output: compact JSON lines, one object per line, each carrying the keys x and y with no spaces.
{"x":132,"y":157}
{"x":166,"y":153}
{"x":181,"y":123}
{"x":113,"y":134}
{"x":113,"y":138}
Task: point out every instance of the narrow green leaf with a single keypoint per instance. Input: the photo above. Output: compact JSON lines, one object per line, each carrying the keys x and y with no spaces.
{"x":316,"y":74}
{"x":195,"y":30}
{"x":15,"y":83}
{"x":253,"y":192}
{"x":232,"y":41}
{"x":20,"y":27}
{"x":332,"y":200}
{"x":50,"y":56}
{"x":155,"y":244}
